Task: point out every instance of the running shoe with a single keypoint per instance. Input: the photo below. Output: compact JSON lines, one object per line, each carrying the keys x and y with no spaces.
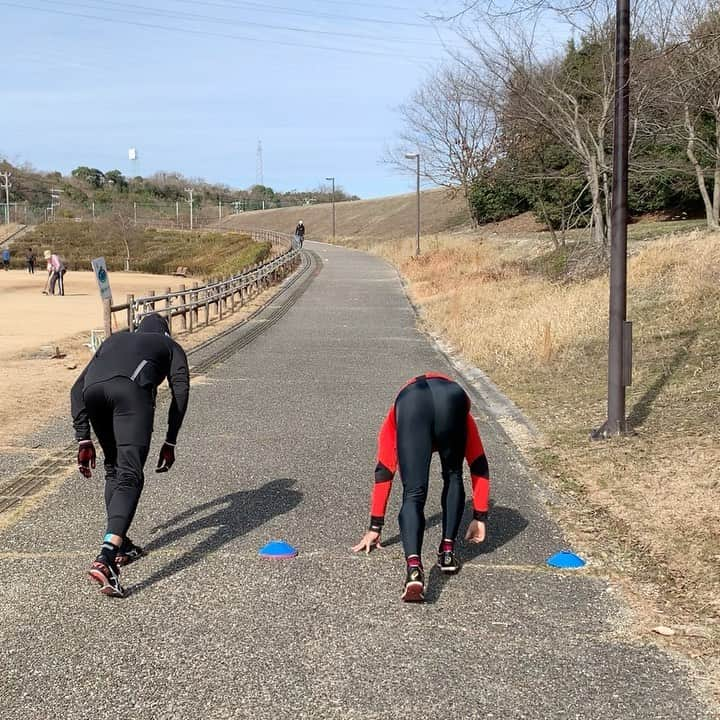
{"x":128,"y":553}
{"x":105,"y":572}
{"x":448,"y":562}
{"x":414,"y":585}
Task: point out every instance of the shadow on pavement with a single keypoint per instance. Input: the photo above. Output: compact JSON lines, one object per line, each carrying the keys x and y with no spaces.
{"x":236,"y":514}
{"x":504,"y":524}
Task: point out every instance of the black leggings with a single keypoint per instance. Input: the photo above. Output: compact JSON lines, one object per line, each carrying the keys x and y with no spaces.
{"x":430,"y":415}
{"x":121,"y":413}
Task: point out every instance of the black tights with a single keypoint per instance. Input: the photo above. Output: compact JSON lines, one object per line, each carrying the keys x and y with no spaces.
{"x":121,"y":414}
{"x":430,"y":415}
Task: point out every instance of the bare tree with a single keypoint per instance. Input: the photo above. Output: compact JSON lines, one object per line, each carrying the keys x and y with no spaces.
{"x":451,"y":122}
{"x":122,"y":218}
{"x":567,"y":103}
{"x":693,"y":82}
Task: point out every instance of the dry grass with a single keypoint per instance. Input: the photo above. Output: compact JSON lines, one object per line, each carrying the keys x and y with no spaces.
{"x":647,"y":507}
{"x":360,"y":220}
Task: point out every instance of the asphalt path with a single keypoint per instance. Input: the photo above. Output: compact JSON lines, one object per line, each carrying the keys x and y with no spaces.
{"x":279,"y":443}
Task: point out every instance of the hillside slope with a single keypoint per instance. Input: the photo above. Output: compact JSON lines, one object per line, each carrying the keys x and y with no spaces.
{"x":386,"y":218}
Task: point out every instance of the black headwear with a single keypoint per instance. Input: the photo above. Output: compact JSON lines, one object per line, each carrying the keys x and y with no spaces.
{"x":154,"y":323}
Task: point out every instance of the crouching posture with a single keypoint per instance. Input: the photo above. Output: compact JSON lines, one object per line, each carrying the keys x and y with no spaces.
{"x":115,"y":394}
{"x":431,"y":413}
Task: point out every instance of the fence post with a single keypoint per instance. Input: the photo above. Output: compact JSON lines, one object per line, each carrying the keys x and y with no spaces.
{"x":130,"y":312}
{"x":221,"y":299}
{"x":194,"y":297}
{"x":207,"y":307}
{"x":232,"y":296}
{"x":151,"y":293}
{"x":168,"y":309}
{"x":183,"y":314}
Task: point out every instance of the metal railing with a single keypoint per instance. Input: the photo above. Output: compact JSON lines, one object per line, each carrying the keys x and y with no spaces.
{"x":198,"y":305}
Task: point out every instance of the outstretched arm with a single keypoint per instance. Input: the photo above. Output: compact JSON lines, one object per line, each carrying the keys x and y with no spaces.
{"x":384,"y":474}
{"x":384,"y":470}
{"x":179,"y":381}
{"x":480,"y":476}
{"x":81,"y":421}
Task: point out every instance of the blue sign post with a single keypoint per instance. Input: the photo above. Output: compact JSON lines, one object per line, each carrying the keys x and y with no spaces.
{"x":101,"y":275}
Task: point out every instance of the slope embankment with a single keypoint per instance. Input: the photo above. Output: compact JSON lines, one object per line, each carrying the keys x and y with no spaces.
{"x":381,"y":218}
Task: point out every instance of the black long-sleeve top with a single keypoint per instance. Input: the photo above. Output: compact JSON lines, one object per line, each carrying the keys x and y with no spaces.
{"x":146,"y":357}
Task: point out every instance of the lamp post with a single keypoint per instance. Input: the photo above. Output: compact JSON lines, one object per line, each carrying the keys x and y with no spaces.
{"x":620,"y":330}
{"x":416,"y":156}
{"x":189,"y":191}
{"x":333,"y":202}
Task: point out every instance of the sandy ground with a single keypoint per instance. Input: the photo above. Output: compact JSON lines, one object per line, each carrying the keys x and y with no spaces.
{"x":35,"y":386}
{"x":29,"y":319}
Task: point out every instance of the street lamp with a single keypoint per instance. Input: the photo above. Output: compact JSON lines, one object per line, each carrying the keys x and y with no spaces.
{"x":620,"y":330}
{"x":189,"y":191}
{"x":333,"y":202}
{"x":416,"y":156}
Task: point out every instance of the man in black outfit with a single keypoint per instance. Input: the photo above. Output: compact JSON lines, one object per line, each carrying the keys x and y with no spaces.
{"x":116,"y":395}
{"x":30,"y":261}
{"x":300,"y":233}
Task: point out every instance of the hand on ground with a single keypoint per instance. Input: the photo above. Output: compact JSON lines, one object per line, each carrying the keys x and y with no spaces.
{"x":475,"y":532}
{"x":369,"y":540}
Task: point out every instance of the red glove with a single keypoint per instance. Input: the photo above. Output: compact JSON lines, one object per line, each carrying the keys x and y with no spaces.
{"x":86,"y":457}
{"x":167,"y":457}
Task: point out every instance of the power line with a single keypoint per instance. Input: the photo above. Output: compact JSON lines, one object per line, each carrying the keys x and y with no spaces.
{"x":123,"y":7}
{"x":247,"y":4}
{"x":368,"y":5}
{"x":207,"y":33}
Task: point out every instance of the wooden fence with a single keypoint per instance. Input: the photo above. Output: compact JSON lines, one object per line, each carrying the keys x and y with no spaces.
{"x":189,"y":308}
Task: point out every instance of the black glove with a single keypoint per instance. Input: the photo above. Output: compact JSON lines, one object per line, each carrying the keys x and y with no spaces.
{"x":86,"y":457}
{"x":167,"y":457}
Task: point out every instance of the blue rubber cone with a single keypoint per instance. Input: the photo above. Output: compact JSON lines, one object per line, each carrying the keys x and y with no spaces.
{"x":278,"y":550}
{"x":566,"y":560}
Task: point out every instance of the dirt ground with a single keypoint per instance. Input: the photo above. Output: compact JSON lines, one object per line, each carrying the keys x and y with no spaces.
{"x":35,"y":386}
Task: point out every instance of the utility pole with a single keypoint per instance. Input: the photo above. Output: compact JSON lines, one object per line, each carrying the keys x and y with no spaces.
{"x":416,"y":156}
{"x":333,"y":203}
{"x":620,"y":333}
{"x":259,"y":174}
{"x":190,"y":193}
{"x":54,"y":195}
{"x":6,"y":184}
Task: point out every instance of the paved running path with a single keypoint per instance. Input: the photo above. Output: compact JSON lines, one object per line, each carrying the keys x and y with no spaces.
{"x":279,"y":443}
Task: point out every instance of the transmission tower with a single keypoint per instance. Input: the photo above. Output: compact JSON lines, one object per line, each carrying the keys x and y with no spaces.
{"x":259,"y":180}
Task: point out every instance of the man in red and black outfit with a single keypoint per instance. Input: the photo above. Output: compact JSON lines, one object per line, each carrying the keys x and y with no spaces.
{"x":431,"y":413}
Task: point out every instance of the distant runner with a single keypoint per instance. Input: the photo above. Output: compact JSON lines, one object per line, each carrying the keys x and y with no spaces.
{"x":300,"y":233}
{"x":431,"y":413}
{"x":116,"y":395}
{"x":30,"y":261}
{"x":6,"y":258}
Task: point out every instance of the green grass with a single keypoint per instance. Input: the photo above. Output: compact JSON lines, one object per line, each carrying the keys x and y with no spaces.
{"x":153,"y":251}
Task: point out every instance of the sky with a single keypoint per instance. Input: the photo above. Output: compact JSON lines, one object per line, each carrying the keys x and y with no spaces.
{"x":195,"y":85}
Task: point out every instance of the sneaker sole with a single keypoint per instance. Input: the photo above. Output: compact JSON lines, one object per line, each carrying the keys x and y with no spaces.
{"x":106,"y":588}
{"x":414,"y":593}
{"x":450,"y":570}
